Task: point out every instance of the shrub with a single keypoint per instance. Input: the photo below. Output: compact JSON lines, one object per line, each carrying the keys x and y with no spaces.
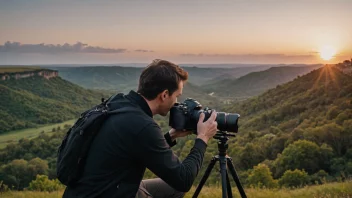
{"x":296,"y":178}
{"x":43,"y":183}
{"x":261,"y":176}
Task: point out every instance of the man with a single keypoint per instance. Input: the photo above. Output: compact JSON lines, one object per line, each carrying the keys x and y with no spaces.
{"x":130,"y":142}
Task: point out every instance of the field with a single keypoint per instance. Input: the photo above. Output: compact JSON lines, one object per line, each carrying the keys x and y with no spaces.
{"x":14,"y":136}
{"x":12,"y":69}
{"x":330,"y":190}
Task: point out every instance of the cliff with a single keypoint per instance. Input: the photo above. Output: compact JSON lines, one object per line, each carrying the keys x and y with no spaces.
{"x":45,"y":73}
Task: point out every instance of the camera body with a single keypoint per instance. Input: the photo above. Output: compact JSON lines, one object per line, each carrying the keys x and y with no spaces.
{"x":185,"y":116}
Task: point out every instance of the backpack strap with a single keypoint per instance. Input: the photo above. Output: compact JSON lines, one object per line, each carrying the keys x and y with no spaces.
{"x":123,"y":110}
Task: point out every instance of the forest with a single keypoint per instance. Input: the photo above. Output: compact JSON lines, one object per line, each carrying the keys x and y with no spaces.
{"x":296,"y":134}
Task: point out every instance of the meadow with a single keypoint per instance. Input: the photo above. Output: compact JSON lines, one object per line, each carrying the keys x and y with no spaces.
{"x":14,"y":136}
{"x":328,"y":190}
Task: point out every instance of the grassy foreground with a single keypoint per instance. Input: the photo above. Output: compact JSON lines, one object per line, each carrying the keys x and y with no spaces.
{"x":330,"y":190}
{"x":14,"y":136}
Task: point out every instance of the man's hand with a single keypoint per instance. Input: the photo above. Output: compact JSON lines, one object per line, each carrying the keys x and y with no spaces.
{"x":207,"y":129}
{"x":176,"y":134}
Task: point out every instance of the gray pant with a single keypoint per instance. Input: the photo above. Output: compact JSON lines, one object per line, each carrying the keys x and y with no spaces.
{"x":157,"y":188}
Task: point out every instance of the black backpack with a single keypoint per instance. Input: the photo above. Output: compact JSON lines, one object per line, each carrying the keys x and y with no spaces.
{"x":72,"y":152}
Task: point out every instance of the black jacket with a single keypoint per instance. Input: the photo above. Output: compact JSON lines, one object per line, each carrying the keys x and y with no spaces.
{"x":126,"y":145}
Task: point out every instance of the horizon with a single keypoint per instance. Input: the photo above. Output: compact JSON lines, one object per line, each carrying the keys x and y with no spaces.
{"x":184,"y":65}
{"x":184,"y":32}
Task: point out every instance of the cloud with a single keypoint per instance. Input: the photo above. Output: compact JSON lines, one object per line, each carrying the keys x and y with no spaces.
{"x":142,"y":50}
{"x":248,"y":55}
{"x":79,"y":47}
{"x":253,"y":58}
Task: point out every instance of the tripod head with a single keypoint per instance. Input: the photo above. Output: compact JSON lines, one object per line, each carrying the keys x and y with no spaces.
{"x":223,"y":137}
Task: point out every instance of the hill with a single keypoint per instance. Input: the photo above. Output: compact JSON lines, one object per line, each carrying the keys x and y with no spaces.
{"x":277,"y":126}
{"x":35,"y":100}
{"x":121,"y":79}
{"x":202,"y":76}
{"x":324,"y":93}
{"x":256,"y":83}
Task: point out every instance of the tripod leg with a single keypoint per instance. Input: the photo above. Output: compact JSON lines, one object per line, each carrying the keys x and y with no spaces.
{"x":223,"y":175}
{"x":205,"y":176}
{"x":235,"y":177}
{"x":229,"y":190}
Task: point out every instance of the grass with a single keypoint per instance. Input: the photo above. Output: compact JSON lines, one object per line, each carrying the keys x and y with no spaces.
{"x":329,"y":190}
{"x":13,"y":69}
{"x":14,"y":136}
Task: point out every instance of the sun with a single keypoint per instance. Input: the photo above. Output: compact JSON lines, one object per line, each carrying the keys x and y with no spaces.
{"x":327,"y":52}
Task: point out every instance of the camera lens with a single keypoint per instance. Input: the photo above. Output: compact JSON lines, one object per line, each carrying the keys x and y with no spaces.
{"x":227,"y":121}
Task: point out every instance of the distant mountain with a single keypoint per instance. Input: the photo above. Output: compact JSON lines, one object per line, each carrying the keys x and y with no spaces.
{"x":34,"y":100}
{"x":256,"y":82}
{"x":116,"y":78}
{"x":124,"y":79}
{"x":192,"y":91}
{"x":202,"y":76}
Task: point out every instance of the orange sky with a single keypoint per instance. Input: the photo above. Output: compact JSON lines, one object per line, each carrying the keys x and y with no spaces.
{"x":228,"y":31}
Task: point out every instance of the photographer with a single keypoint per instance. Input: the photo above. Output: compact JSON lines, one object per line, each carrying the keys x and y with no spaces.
{"x":130,"y":142}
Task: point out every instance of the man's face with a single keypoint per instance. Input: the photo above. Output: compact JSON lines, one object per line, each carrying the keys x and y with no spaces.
{"x":171,"y":100}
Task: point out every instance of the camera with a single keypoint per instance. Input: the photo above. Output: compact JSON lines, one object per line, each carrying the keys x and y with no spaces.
{"x":185,"y":116}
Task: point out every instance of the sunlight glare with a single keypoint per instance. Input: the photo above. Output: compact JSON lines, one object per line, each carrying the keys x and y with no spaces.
{"x":327,"y":52}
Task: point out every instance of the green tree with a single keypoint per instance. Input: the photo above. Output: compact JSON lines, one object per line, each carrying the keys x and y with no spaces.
{"x":37,"y":166}
{"x":301,"y":154}
{"x":251,"y":155}
{"x":319,"y":177}
{"x":18,"y":173}
{"x":338,"y":137}
{"x":295,"y":178}
{"x":14,"y":174}
{"x":261,"y":176}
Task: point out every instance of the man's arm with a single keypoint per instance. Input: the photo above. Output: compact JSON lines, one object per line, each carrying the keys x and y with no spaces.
{"x":170,"y":138}
{"x":156,"y":154}
{"x":172,"y":135}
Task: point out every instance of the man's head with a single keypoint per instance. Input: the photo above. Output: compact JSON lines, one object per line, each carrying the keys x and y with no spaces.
{"x":160,"y":83}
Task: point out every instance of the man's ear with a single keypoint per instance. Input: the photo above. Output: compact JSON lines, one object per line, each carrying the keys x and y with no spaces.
{"x":164,"y":95}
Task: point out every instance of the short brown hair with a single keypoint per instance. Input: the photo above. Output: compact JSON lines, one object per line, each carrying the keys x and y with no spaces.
{"x":158,"y":76}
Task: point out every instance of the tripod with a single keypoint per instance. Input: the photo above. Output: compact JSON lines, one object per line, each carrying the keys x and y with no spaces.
{"x":224,"y":160}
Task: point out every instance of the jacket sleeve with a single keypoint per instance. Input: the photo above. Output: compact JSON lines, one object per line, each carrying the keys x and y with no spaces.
{"x":156,"y":154}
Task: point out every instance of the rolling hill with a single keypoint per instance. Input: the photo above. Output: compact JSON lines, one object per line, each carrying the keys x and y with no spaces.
{"x":256,"y":83}
{"x":321,"y":94}
{"x":121,"y":79}
{"x":27,"y":102}
{"x":316,"y":107}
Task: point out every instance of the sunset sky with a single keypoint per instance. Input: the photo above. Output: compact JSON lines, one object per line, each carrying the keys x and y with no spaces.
{"x":192,"y":31}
